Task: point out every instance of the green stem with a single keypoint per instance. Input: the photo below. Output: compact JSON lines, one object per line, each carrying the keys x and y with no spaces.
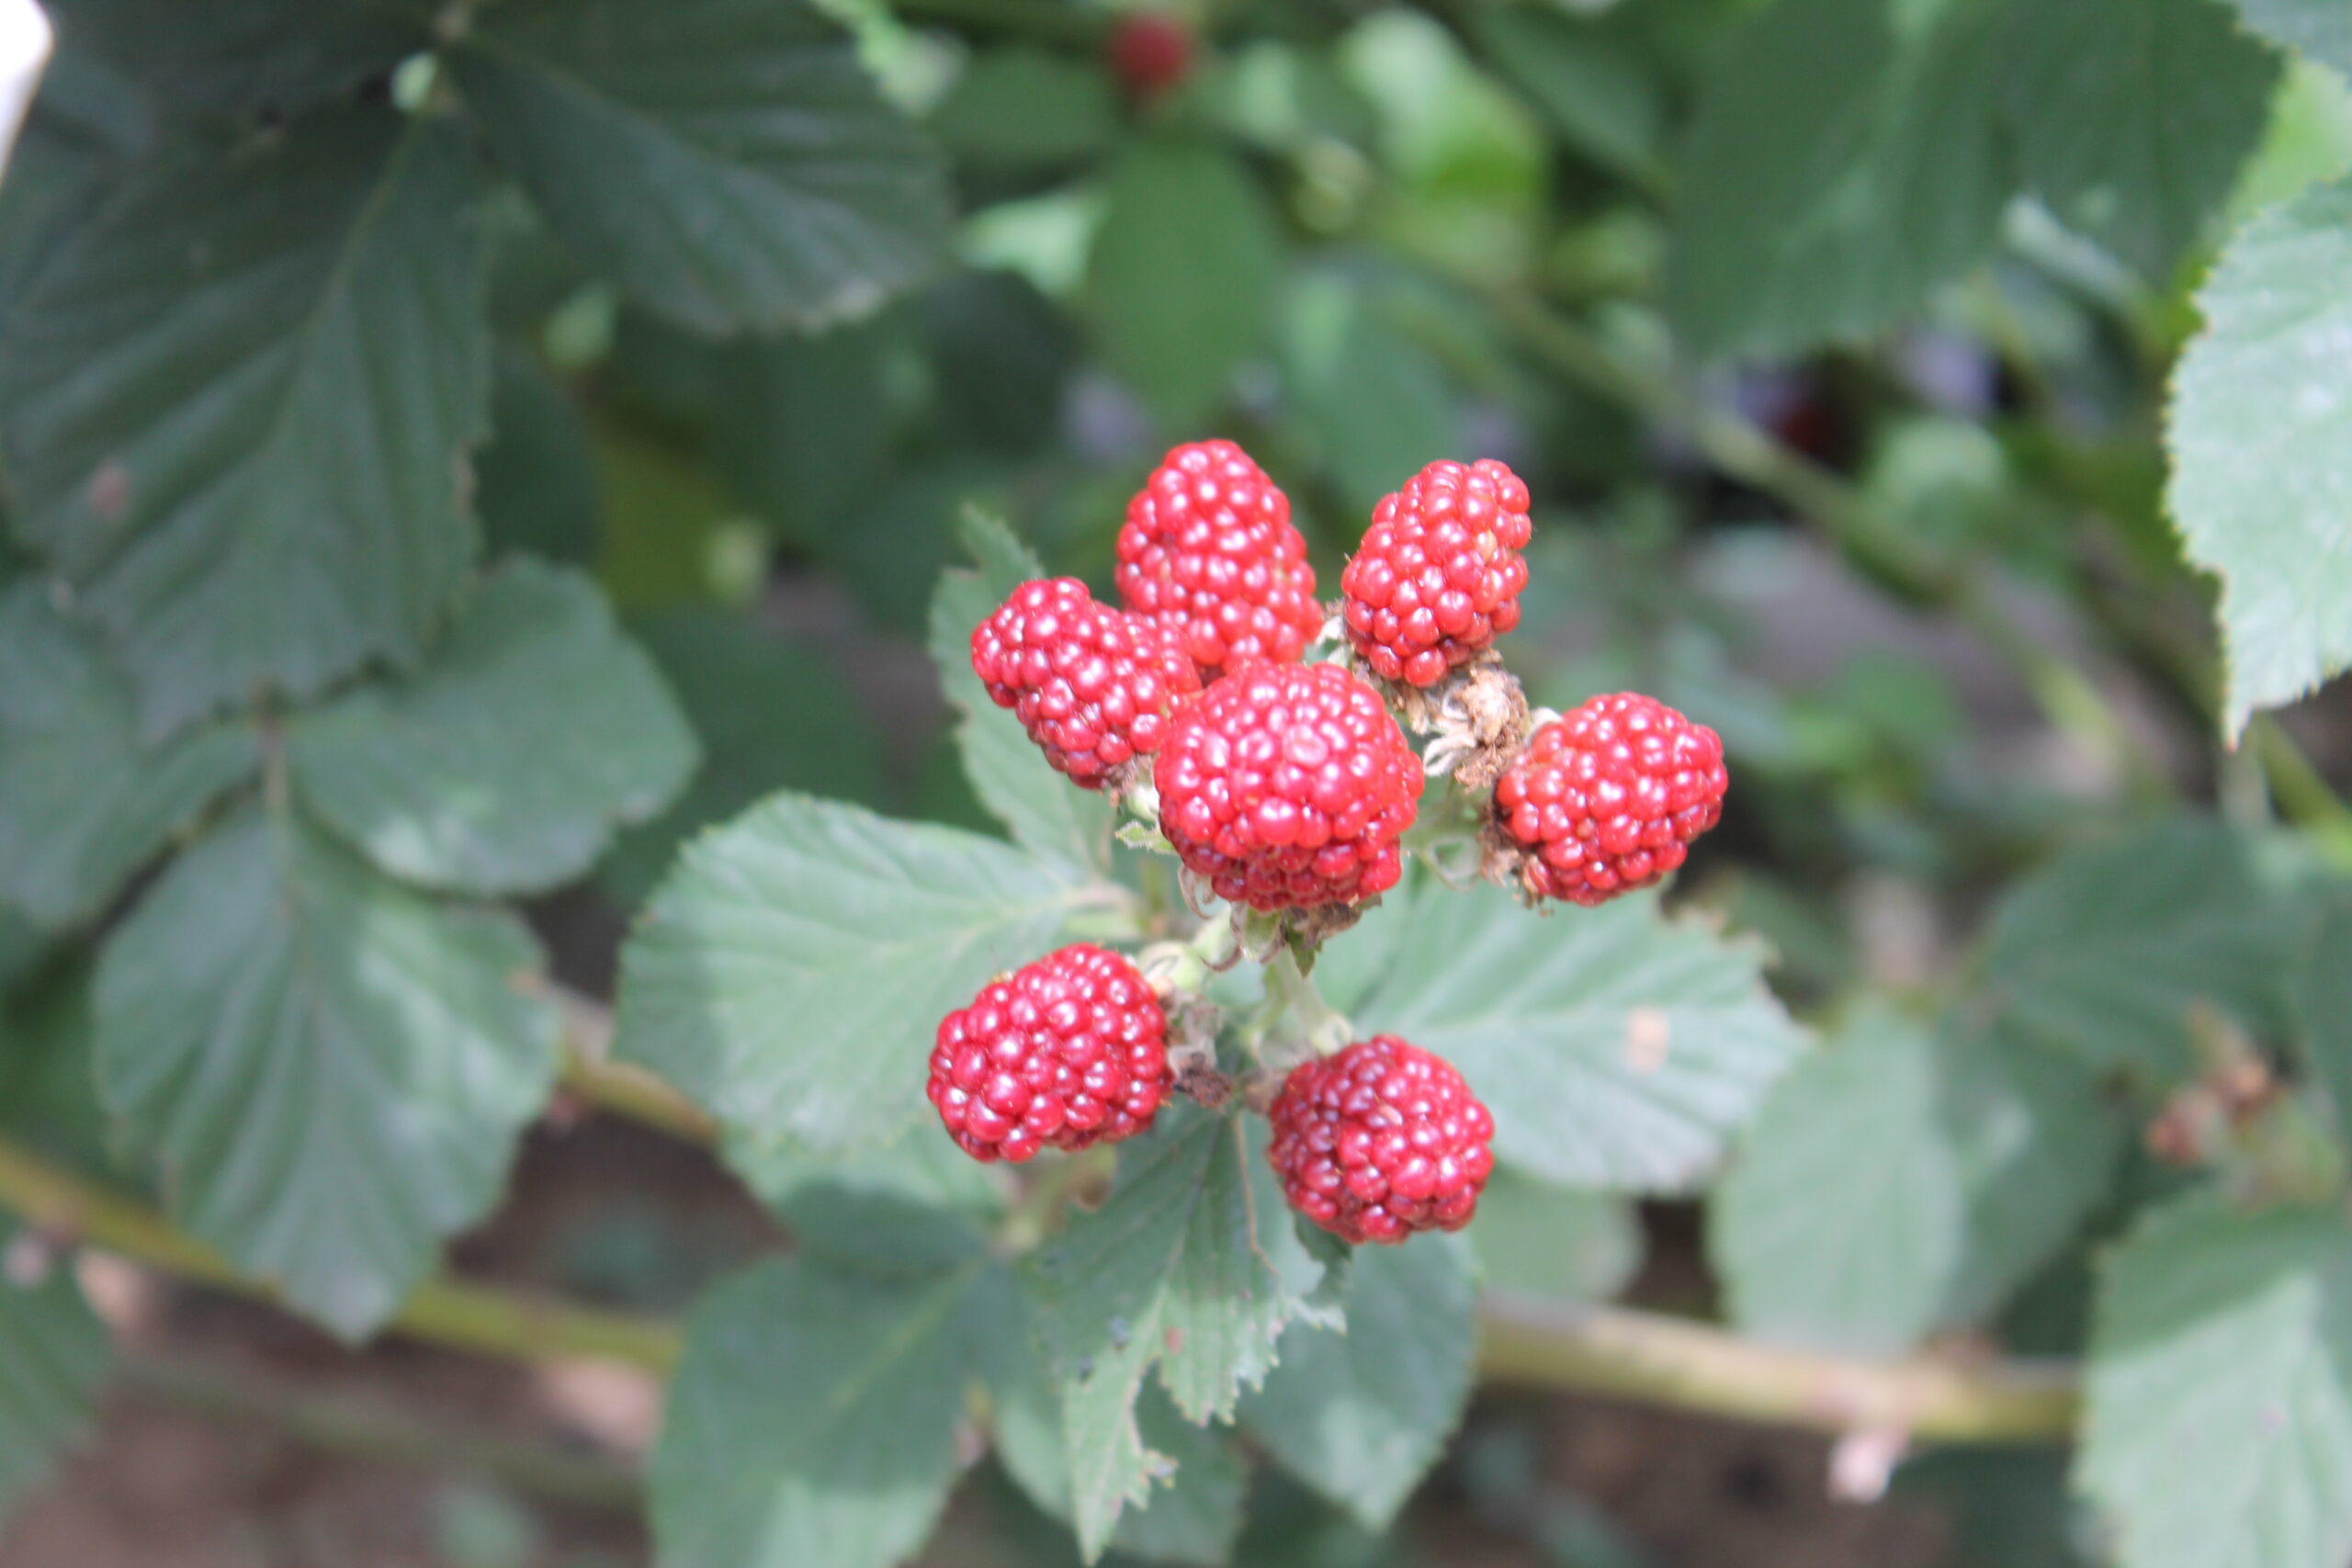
{"x":1662,"y":1360}
{"x":339,"y":1424}
{"x":1629,"y":1355}
{"x":469,"y":1318}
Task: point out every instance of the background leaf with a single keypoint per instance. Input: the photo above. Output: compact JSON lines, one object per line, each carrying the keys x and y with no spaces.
{"x":1181,"y":281}
{"x":1846,"y":161}
{"x":330,"y":1068}
{"x":2261,"y":426}
{"x":1616,"y":1049}
{"x":2108,"y":950}
{"x":2319,"y":28}
{"x":235,"y":401}
{"x":792,"y":970}
{"x":813,"y":1419}
{"x":1559,"y":1243}
{"x":505,"y":764}
{"x":726,"y":161}
{"x":1903,"y":1179}
{"x":2132,"y":121}
{"x":1362,"y":1416}
{"x":770,"y":714}
{"x":83,"y":803}
{"x":2219,"y":1432}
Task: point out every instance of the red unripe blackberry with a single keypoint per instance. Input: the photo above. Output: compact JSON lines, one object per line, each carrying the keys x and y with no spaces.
{"x":1438,"y":577}
{"x":1093,"y":686}
{"x":1381,"y":1140}
{"x":1208,"y":550}
{"x":1064,"y":1052}
{"x":1287,"y":787}
{"x":1151,"y":51}
{"x":1608,"y":798}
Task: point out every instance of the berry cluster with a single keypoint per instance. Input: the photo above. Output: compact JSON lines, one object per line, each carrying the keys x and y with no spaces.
{"x":1093,"y":686}
{"x":1208,"y":549}
{"x":1607,"y":799}
{"x":1437,"y":578}
{"x":1065,"y":1052}
{"x":1288,"y":786}
{"x":1381,"y":1140}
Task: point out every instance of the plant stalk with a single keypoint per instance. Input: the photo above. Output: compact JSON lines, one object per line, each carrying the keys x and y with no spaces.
{"x":1641,"y":1357}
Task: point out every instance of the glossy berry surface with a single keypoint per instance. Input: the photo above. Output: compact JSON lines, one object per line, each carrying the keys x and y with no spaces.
{"x":1209,"y":550}
{"x":1438,"y":574}
{"x":1093,"y":686}
{"x":1381,"y":1140}
{"x":1064,"y":1052}
{"x":1151,"y":52}
{"x":1287,"y":787}
{"x":1607,"y":798}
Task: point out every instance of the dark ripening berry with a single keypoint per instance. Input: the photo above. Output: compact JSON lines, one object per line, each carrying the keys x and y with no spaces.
{"x":1208,"y":550}
{"x":1438,"y":577}
{"x":1381,"y":1140}
{"x":1608,"y":798}
{"x":1093,"y":686}
{"x":1065,"y":1052}
{"x":1288,"y":786}
{"x":1151,"y":51}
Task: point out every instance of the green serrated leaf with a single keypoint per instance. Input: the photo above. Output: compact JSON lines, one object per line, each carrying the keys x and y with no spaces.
{"x":791,"y":971}
{"x":2107,"y":951}
{"x":1362,"y":1416}
{"x":727,"y":160}
{"x":1617,"y":1049}
{"x":1848,"y":159}
{"x":48,"y":1087}
{"x":2218,"y":1424}
{"x":1558,"y":1244}
{"x":506,"y":763}
{"x":1983,"y":1152}
{"x":1183,"y":274}
{"x":2261,"y":437}
{"x":2132,"y":121}
{"x":1022,"y":105}
{"x":54,"y":1356}
{"x":83,"y":803}
{"x":813,"y":1419}
{"x":330,"y":1068}
{"x":2321,"y":28}
{"x":1042,"y":809}
{"x":1190,"y":1515}
{"x":1192,"y":1266}
{"x":259,"y":482}
{"x":770,"y":714}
